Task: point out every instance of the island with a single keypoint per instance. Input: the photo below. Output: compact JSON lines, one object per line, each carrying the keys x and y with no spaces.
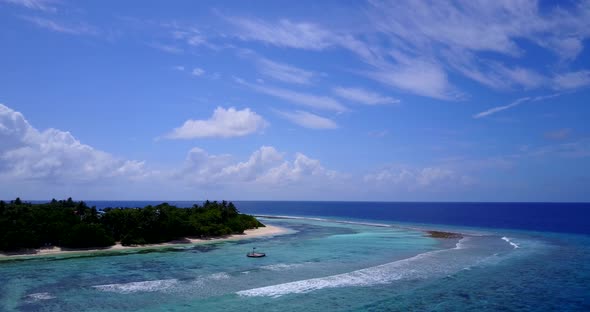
{"x":441,"y":234}
{"x":74,"y":225}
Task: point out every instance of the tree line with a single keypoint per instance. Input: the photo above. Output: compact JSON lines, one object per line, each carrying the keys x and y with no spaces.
{"x":73,"y":224}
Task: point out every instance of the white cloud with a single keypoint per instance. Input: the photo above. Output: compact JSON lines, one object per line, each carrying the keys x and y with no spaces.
{"x":423,"y":30}
{"x":190,"y":37}
{"x":299,"y":98}
{"x":412,"y":74}
{"x":417,"y":76}
{"x":167,"y":48}
{"x":197,"y":71}
{"x":259,"y":162}
{"x":265,"y":167}
{"x":15,"y":131}
{"x":500,"y":108}
{"x":527,"y":78}
{"x":53,"y":155}
{"x":308,"y":120}
{"x":79,"y":29}
{"x":178,"y":68}
{"x":41,"y":5}
{"x":412,"y":46}
{"x":224,"y":123}
{"x":572,"y":80}
{"x":301,"y":169}
{"x":284,"y":72}
{"x":362,"y":96}
{"x":559,"y":134}
{"x":483,"y":26}
{"x":201,"y":167}
{"x":413,"y":179}
{"x":515,"y":103}
{"x":574,"y":149}
{"x":285,"y":33}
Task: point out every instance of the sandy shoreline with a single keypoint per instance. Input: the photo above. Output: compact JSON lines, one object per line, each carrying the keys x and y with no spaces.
{"x":269,"y":230}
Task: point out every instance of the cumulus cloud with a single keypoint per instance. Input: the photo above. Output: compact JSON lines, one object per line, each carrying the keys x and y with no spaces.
{"x":264,"y":167}
{"x":29,"y":154}
{"x":308,"y":120}
{"x":412,"y":179}
{"x":224,"y":123}
{"x":259,"y":162}
{"x":363,"y":96}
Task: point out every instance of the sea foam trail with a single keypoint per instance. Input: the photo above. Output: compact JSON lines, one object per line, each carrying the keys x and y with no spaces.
{"x":40,"y":296}
{"x":169,"y":285}
{"x":282,"y":266}
{"x":515,"y":245}
{"x":326,"y":220}
{"x":145,"y":286}
{"x":426,"y":265}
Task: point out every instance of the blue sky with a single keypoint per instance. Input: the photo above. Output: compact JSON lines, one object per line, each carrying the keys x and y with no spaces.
{"x":309,"y":100}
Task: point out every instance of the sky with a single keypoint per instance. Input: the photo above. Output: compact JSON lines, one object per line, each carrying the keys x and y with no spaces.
{"x":295,"y":100}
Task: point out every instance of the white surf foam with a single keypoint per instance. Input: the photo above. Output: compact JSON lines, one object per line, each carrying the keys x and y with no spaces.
{"x":468,"y":252}
{"x":414,"y":267}
{"x":218,"y":276}
{"x":515,"y":245}
{"x":144,"y":286}
{"x":281,"y":266}
{"x":461,"y":243}
{"x":40,"y":296}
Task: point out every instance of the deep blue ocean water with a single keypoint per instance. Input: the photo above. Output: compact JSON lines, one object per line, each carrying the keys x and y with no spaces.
{"x":335,"y":257}
{"x":553,"y":217}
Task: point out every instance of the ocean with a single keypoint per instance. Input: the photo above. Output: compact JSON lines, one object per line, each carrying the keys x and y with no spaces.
{"x":336,"y":256}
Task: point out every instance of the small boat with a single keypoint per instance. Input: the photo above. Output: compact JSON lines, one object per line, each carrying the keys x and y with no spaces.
{"x":255,"y":254}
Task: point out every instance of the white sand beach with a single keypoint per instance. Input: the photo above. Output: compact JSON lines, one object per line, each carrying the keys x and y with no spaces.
{"x":268,"y":230}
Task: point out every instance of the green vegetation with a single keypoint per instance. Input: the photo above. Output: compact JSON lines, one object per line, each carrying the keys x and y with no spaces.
{"x":71,"y":224}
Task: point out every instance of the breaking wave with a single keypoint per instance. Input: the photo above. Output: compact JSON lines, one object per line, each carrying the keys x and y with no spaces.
{"x":515,"y":245}
{"x":432,"y":264}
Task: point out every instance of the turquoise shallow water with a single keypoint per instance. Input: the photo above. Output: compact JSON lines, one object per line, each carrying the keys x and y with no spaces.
{"x":318,"y":266}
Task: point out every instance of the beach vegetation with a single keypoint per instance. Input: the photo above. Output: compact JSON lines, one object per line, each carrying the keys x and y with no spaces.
{"x":71,"y":224}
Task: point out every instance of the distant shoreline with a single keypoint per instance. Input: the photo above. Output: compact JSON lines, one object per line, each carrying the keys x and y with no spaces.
{"x":268,"y":230}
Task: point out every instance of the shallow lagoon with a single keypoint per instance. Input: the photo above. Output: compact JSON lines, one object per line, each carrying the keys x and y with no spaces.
{"x":317,"y":266}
